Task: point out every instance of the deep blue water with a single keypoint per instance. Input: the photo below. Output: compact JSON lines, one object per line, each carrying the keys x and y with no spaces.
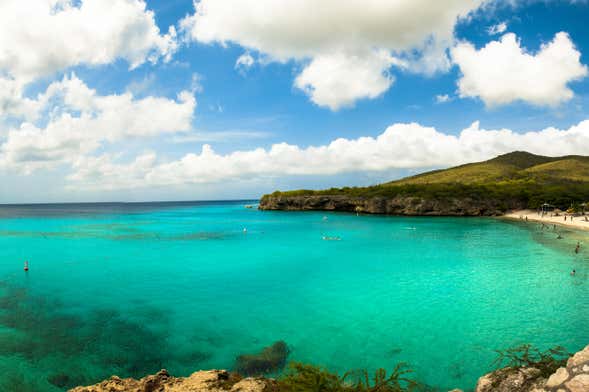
{"x":130,"y":288}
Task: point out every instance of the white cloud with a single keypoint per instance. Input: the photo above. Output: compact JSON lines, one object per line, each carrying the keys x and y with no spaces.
{"x":38,"y":38}
{"x":339,"y":80}
{"x":335,"y":34}
{"x":41,"y":37}
{"x":400,"y":146}
{"x":12,"y":102}
{"x":499,"y":28}
{"x":196,"y":83}
{"x":79,"y":121}
{"x":443,"y":98}
{"x":503,"y":71}
{"x":219,"y":136}
{"x":244,"y":62}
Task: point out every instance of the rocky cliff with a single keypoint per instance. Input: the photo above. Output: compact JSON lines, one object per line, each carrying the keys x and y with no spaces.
{"x":572,"y":378}
{"x":399,"y":205}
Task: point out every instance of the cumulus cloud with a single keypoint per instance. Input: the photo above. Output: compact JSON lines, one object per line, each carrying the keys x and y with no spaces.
{"x":334,"y":35}
{"x":400,"y":146}
{"x":502,"y":71}
{"x":79,"y":121}
{"x":41,"y":37}
{"x":339,"y":80}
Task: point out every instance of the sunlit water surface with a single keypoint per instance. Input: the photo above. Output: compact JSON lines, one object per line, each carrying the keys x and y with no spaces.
{"x":130,"y":289}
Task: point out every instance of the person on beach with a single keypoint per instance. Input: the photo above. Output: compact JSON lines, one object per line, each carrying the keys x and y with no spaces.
{"x":526,"y":218}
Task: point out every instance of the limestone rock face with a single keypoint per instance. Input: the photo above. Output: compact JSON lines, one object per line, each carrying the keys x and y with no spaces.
{"x":202,"y":381}
{"x":399,"y":205}
{"x":573,"y":378}
{"x":511,"y":380}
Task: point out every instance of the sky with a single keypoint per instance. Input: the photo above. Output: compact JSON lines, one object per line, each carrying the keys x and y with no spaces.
{"x":132,"y":100}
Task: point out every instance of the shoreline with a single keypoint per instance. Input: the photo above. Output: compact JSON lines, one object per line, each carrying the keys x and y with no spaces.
{"x":562,"y":374}
{"x":578,"y":222}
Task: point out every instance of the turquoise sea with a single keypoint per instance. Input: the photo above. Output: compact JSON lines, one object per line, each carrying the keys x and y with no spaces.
{"x":128,"y":289}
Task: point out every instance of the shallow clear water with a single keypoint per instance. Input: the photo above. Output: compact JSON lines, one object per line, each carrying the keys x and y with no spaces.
{"x":129,"y":289}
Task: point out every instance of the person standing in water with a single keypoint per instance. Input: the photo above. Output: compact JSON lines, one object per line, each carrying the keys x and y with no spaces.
{"x":573,"y":272}
{"x":578,"y":247}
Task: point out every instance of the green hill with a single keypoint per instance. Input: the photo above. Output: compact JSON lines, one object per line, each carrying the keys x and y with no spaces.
{"x":513,"y":166}
{"x":515,"y":180}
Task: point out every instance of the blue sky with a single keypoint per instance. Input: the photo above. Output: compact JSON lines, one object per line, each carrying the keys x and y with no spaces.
{"x":341,"y":72}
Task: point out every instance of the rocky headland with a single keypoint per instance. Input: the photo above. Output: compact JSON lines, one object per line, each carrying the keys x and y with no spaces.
{"x":509,"y":182}
{"x":574,"y":377}
{"x":399,"y":205}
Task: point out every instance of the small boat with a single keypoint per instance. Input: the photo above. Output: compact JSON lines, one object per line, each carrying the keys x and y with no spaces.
{"x":249,"y":206}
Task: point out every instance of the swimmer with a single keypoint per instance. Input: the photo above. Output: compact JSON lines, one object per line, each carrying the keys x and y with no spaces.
{"x":573,"y":272}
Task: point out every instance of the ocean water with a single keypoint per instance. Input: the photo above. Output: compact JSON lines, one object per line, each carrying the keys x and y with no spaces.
{"x":129,"y":289}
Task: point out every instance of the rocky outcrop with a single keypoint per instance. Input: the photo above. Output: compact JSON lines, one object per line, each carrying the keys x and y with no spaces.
{"x":399,"y":205}
{"x":511,"y":380}
{"x":572,"y":378}
{"x":203,"y":381}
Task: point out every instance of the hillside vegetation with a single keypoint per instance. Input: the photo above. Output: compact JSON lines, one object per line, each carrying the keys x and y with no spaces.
{"x":529,"y":179}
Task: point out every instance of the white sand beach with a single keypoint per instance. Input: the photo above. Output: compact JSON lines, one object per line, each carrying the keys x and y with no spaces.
{"x":577,"y":222}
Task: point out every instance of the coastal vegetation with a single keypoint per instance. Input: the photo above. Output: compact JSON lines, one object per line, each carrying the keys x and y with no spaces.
{"x":307,"y":378}
{"x":526,"y":355}
{"x":517,"y":179}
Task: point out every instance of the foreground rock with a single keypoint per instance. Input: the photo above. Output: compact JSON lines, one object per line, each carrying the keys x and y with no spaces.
{"x":399,"y":205}
{"x":572,"y":378}
{"x":203,"y":381}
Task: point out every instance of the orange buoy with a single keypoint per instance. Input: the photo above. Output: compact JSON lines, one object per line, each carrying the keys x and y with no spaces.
{"x":26,"y":266}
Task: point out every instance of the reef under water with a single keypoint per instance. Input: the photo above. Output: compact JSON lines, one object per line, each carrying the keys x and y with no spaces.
{"x":43,"y":344}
